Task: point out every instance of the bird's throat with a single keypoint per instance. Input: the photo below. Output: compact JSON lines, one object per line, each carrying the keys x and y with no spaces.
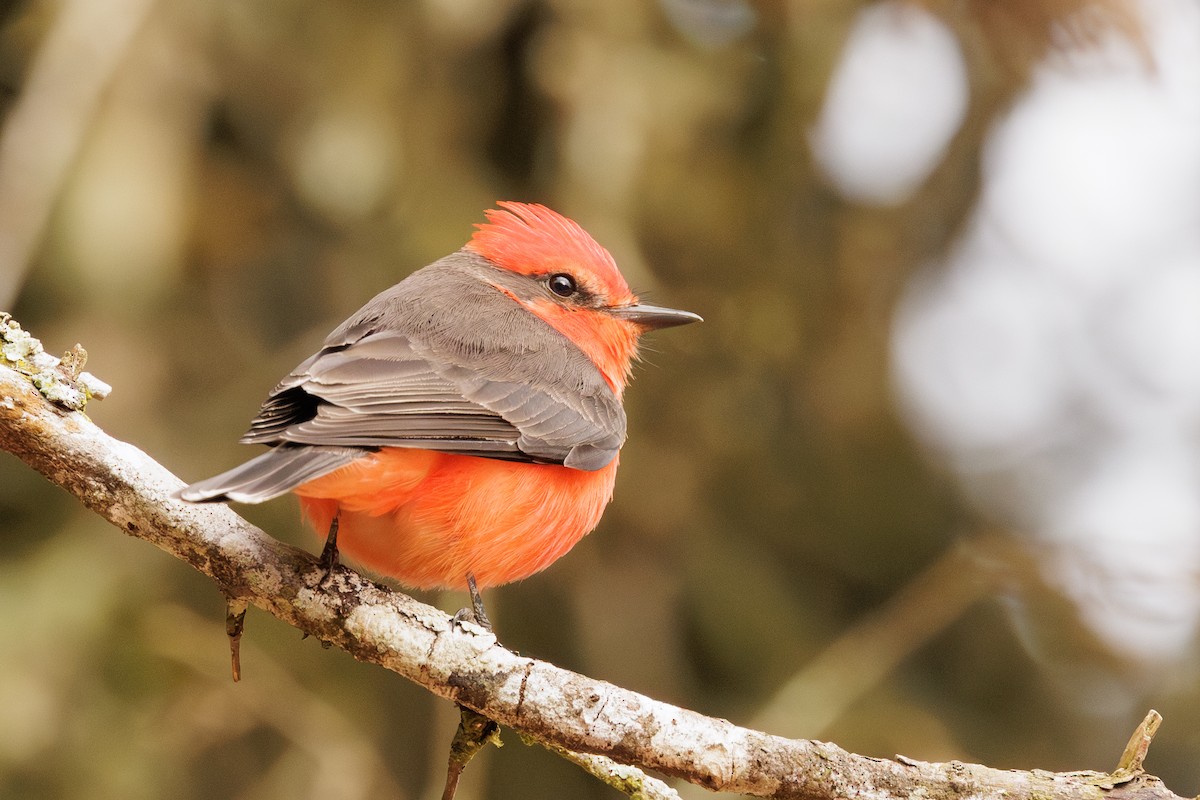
{"x":611,"y":344}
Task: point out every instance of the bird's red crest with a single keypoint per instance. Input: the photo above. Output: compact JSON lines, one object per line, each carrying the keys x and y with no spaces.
{"x":531,"y":239}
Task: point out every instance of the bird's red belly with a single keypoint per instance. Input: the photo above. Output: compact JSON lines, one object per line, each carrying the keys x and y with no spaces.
{"x":427,"y":519}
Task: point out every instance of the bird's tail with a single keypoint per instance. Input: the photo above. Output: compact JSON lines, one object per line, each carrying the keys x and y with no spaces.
{"x":271,"y":474}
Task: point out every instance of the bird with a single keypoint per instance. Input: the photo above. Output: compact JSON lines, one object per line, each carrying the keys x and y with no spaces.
{"x":463,"y":428}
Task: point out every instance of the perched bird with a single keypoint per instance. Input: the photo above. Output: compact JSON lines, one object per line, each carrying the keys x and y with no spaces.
{"x":467,"y":422}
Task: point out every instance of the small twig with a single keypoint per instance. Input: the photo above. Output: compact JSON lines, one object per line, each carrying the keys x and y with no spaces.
{"x":474,"y":732}
{"x":235,"y":621}
{"x":1131,"y":761}
{"x":628,"y":780}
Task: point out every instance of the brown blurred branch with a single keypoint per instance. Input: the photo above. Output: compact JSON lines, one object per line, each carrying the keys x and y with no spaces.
{"x":863,"y":654}
{"x":44,"y":130}
{"x":464,"y":663}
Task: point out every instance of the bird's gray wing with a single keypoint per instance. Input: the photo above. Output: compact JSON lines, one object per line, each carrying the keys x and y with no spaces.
{"x":388,"y":390}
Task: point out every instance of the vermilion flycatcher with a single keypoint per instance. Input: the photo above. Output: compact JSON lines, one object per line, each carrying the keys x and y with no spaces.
{"x":468,"y":420}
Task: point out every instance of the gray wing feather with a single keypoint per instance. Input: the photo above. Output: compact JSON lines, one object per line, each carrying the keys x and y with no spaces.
{"x":381,"y":392}
{"x":271,"y":474}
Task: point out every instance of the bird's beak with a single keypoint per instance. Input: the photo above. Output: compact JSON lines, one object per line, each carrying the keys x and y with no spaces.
{"x":654,"y":317}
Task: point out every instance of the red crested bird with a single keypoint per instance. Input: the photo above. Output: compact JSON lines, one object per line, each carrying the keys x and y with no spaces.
{"x":467,"y":422}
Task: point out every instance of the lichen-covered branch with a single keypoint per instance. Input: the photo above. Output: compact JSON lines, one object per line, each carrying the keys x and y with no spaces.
{"x":464,"y":663}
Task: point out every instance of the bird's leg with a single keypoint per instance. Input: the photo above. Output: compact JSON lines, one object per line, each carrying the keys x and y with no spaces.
{"x":329,"y":554}
{"x":477,"y":609}
{"x":476,"y":612}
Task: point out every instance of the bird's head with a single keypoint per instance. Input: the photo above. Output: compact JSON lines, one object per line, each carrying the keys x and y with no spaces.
{"x":575,"y":284}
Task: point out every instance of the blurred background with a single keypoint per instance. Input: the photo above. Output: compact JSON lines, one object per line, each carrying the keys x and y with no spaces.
{"x":926,"y":481}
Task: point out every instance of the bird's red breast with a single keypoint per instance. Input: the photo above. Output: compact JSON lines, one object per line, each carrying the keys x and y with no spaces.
{"x":427,"y":519}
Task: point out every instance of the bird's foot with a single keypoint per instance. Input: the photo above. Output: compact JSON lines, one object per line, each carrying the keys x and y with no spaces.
{"x":329,"y":553}
{"x":476,"y":612}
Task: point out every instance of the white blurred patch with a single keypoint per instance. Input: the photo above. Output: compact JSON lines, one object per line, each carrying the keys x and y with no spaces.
{"x":1148,"y":346}
{"x":710,"y":23}
{"x":895,"y":101}
{"x":1125,"y":547}
{"x":1095,"y":170}
{"x":976,"y":351}
{"x":1053,"y":360}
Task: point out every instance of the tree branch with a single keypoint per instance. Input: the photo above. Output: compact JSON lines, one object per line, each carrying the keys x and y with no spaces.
{"x":464,"y":663}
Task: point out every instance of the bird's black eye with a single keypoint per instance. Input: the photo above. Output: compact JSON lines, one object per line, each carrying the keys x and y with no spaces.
{"x":562,"y":284}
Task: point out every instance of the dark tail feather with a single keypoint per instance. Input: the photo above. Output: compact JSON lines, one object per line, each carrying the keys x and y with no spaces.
{"x":275,"y":472}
